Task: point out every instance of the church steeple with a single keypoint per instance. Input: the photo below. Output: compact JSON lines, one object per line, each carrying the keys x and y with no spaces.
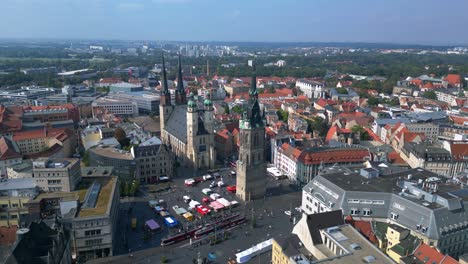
{"x":165,"y":94}
{"x":253,"y":93}
{"x":180,"y":91}
{"x":254,"y":116}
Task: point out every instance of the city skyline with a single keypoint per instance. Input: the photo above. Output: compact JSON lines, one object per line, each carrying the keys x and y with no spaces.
{"x":208,"y":20}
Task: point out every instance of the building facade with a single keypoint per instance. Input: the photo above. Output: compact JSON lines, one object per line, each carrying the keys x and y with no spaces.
{"x":251,"y":166}
{"x":418,"y":200}
{"x":186,"y":128}
{"x":120,"y":107}
{"x":311,"y":89}
{"x":56,"y":175}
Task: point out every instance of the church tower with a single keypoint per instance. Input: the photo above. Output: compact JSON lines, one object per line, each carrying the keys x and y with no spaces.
{"x":192,"y":131}
{"x":180,"y":96}
{"x":251,"y":166}
{"x":165,"y":107}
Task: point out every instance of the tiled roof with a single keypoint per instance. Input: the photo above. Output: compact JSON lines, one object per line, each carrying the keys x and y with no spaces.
{"x":58,"y":133}
{"x":453,"y":79}
{"x":364,"y":227}
{"x":459,"y":151}
{"x":331,"y":155}
{"x":428,"y":254}
{"x":7,"y":151}
{"x":396,"y":159}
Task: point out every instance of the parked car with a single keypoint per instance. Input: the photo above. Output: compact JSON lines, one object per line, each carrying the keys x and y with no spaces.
{"x":233,"y":173}
{"x":206,"y":200}
{"x":299,"y":209}
{"x":220,"y":184}
{"x":287,"y":213}
{"x":207,"y":177}
{"x":213,"y":184}
{"x":216,"y":175}
{"x":189,"y":182}
{"x":231,"y":188}
{"x":187,"y":199}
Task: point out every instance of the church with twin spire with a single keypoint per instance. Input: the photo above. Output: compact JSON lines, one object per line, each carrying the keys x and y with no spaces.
{"x":187,"y":125}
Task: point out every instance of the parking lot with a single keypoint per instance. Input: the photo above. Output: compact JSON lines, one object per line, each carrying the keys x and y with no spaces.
{"x":268,"y":213}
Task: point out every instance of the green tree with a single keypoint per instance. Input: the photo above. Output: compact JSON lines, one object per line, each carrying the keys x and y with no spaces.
{"x":430,"y":95}
{"x":342,"y":90}
{"x":237,"y":109}
{"x":85,"y":158}
{"x":282,"y":115}
{"x":226,"y":109}
{"x":373,"y":101}
{"x":318,"y":126}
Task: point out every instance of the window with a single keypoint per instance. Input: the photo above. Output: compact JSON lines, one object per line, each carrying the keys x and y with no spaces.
{"x":93,"y":242}
{"x":353,"y":200}
{"x":366,"y":212}
{"x":354,"y":211}
{"x":93,"y":232}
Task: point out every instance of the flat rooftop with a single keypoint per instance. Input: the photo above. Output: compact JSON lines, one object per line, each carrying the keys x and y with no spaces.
{"x":353,"y":242}
{"x":96,"y":171}
{"x":46,"y":163}
{"x":112,"y":152}
{"x":351,"y":180}
{"x":104,"y":198}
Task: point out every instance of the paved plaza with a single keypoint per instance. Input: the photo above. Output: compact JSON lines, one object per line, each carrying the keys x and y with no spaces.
{"x":134,"y":247}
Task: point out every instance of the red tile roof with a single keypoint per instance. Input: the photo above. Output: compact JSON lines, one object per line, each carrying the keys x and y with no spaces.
{"x":325,"y":102}
{"x":396,"y":159}
{"x":428,"y":254}
{"x":7,"y":151}
{"x":364,"y":227}
{"x":8,"y":235}
{"x":459,"y":151}
{"x":453,"y":79}
{"x":372,"y":134}
{"x":58,"y":133}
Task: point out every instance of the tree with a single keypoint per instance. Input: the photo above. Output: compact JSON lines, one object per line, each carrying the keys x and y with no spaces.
{"x":363,"y":134}
{"x":226,"y":109}
{"x":85,"y":158}
{"x":120,"y":134}
{"x":282,"y":115}
{"x":430,"y":95}
{"x":318,"y":126}
{"x":373,"y":101}
{"x":342,"y":90}
{"x":237,"y":109}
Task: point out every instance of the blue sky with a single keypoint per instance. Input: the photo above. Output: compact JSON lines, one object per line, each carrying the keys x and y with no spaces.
{"x":395,"y":21}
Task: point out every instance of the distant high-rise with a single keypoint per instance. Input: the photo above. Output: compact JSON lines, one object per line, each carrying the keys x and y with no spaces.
{"x":251,"y":166}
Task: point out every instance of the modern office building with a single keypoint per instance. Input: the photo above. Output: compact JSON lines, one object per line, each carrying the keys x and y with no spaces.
{"x":120,"y":107}
{"x":125,"y":87}
{"x":148,"y":103}
{"x":56,"y":175}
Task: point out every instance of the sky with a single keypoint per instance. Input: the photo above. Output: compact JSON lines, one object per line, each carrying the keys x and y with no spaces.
{"x":436,"y":22}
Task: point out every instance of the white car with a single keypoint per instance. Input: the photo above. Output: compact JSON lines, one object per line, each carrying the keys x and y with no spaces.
{"x":287,"y":213}
{"x":207,"y":177}
{"x":299,"y":209}
{"x":220,"y":184}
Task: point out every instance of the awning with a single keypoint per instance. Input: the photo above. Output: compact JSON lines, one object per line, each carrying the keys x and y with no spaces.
{"x":151,"y":224}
